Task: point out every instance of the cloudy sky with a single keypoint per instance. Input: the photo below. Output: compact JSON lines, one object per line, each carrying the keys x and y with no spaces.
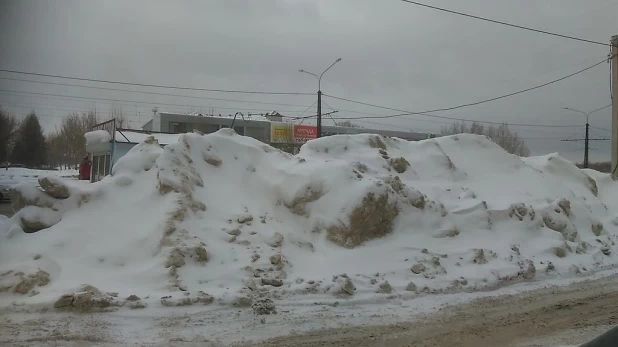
{"x":393,"y":54}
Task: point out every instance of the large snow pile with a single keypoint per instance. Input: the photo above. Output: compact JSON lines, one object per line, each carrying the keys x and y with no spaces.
{"x":226,"y":219}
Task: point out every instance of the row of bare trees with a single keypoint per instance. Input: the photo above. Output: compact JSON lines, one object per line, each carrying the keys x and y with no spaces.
{"x":67,"y":145}
{"x":502,"y":135}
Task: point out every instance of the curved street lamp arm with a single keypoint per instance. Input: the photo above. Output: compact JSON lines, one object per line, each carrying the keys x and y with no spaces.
{"x":599,"y":109}
{"x":322,"y":74}
{"x":310,"y":73}
{"x":574,"y":110}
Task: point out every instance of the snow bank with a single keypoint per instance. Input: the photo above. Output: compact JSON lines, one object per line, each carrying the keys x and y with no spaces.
{"x":225,"y":219}
{"x":97,"y":136}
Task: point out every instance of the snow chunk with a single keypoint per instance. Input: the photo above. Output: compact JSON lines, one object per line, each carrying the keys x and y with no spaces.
{"x":141,"y":157}
{"x":97,"y":136}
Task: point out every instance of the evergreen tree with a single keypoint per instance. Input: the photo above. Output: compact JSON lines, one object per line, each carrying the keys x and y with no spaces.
{"x":30,"y":145}
{"x":8,"y":125}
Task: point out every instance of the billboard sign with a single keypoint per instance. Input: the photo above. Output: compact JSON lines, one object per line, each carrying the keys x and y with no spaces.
{"x":281,"y":133}
{"x":305,"y":132}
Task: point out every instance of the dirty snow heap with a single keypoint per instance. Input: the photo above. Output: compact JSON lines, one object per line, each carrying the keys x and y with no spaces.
{"x":223,"y":219}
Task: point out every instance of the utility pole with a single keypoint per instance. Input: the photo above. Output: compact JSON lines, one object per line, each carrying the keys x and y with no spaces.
{"x":586,"y":146}
{"x":614,"y":67}
{"x":587,"y":139}
{"x":319,"y":122}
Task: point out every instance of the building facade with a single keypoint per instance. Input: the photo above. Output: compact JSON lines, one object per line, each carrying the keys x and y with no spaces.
{"x":167,"y":127}
{"x":260,"y":128}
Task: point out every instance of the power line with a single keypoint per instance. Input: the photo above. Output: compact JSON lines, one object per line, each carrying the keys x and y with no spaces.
{"x":152,"y":85}
{"x":307,"y":109}
{"x":150,"y":93}
{"x":425,"y":113}
{"x":463,"y":120}
{"x":505,"y":23}
{"x":77,"y":109}
{"x":128,"y":101}
{"x":428,"y":121}
{"x":592,"y":126}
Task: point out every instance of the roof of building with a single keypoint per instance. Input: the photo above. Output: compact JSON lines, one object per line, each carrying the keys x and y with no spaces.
{"x":249,"y":116}
{"x":137,"y":136}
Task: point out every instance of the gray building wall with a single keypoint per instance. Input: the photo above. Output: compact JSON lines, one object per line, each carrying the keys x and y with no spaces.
{"x":260,"y":130}
{"x":148,"y":126}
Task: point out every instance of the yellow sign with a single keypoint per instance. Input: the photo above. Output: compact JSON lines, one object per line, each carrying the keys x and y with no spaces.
{"x":281,"y":133}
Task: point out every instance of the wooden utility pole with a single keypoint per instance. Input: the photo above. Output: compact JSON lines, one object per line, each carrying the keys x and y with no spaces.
{"x":614,"y":83}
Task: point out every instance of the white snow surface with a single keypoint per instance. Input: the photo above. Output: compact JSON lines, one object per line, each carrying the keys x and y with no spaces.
{"x":477,"y":197}
{"x":19,"y":175}
{"x":97,"y":136}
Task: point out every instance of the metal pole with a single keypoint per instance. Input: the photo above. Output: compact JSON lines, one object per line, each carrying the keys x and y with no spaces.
{"x":614,"y":67}
{"x":586,"y":146}
{"x":319,"y":123}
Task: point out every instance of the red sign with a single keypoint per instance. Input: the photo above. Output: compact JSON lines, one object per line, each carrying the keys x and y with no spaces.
{"x":305,"y":132}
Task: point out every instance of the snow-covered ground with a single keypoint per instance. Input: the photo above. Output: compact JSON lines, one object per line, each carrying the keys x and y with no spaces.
{"x":218,"y":223}
{"x":16,"y":175}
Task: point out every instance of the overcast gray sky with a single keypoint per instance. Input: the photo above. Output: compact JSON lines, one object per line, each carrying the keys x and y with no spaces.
{"x":394,"y":54}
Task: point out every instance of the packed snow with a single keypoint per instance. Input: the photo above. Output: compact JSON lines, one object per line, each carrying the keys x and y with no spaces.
{"x":97,"y":136}
{"x":224,"y":220}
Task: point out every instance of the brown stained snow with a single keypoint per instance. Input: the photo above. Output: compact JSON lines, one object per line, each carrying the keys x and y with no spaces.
{"x":201,"y":254}
{"x":372,"y":219}
{"x":276,"y":240}
{"x":376,"y":142}
{"x":88,"y":299}
{"x":560,"y":252}
{"x":27,"y":283}
{"x":399,"y":164}
{"x":244,"y":219}
{"x":212,"y":160}
{"x":56,"y":188}
{"x":565,"y":205}
{"x":452,"y":232}
{"x":418,"y":268}
{"x":20,"y":200}
{"x":593,"y":185}
{"x":175,"y":259}
{"x":479,"y":257}
{"x":597,"y":228}
{"x":396,"y":184}
{"x":298,"y":205}
{"x":34,"y":223}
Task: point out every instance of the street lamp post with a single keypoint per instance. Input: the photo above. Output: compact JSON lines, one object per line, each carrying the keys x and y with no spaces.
{"x":587,"y":139}
{"x":319,"y":122}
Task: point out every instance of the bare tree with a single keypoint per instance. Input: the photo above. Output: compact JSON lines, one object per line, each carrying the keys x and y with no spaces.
{"x":502,"y":135}
{"x":348,"y":123}
{"x":116,"y":112}
{"x":67,"y":146}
